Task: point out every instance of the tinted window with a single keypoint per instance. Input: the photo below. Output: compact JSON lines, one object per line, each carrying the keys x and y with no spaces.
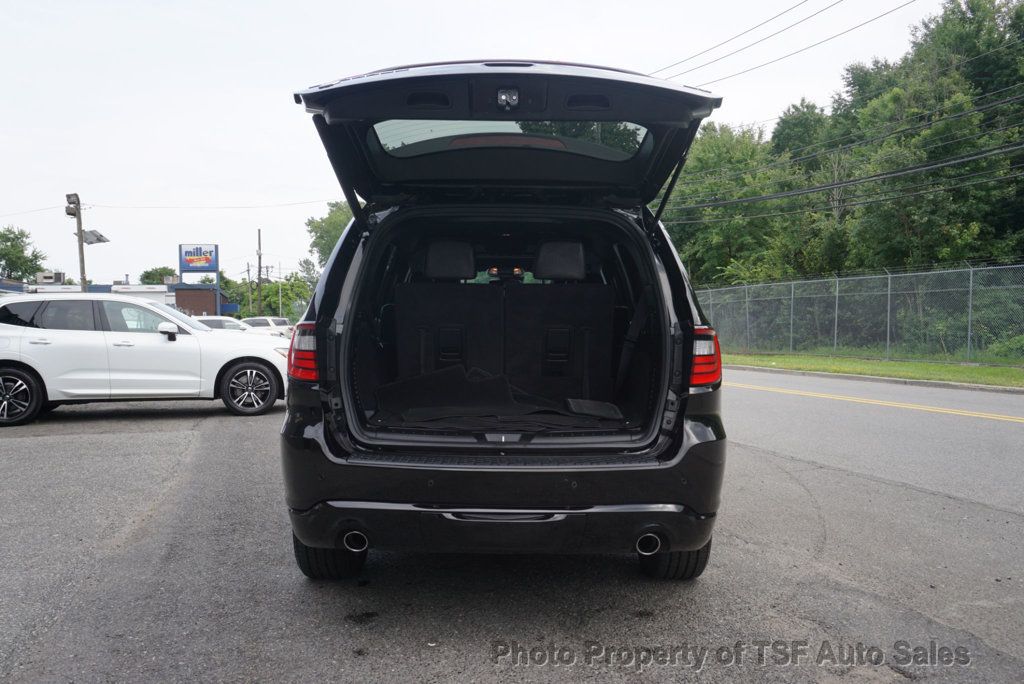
{"x":608,"y":140}
{"x":69,"y":315}
{"x":281,"y":321}
{"x":232,"y":325}
{"x":124,"y":317}
{"x":257,"y":322}
{"x":212,"y":322}
{"x":18,"y":313}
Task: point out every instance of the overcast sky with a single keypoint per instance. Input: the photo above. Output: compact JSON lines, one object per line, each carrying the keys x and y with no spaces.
{"x":188,"y":104}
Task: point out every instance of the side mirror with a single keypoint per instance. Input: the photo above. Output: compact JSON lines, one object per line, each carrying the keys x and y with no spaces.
{"x":168,"y":329}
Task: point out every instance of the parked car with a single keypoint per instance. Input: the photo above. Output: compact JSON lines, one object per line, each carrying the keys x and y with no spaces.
{"x":504,"y":353}
{"x":275,"y":324}
{"x":228,"y":323}
{"x":76,"y":348}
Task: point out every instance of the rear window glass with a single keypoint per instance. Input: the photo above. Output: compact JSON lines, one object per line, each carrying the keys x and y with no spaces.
{"x":607,"y":140}
{"x":281,"y":321}
{"x":256,"y":322}
{"x":67,"y":315}
{"x":18,"y":313}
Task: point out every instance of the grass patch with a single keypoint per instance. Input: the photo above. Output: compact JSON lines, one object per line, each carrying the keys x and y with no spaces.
{"x":1001,"y":376}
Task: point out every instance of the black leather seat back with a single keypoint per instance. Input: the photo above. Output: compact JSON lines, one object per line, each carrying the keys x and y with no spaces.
{"x":443,"y":321}
{"x":558,"y":335}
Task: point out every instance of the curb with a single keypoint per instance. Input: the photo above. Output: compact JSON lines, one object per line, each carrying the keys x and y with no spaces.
{"x":877,"y":378}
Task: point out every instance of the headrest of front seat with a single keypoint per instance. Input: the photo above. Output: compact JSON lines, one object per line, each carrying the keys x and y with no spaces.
{"x":560,"y":261}
{"x":450,"y":260}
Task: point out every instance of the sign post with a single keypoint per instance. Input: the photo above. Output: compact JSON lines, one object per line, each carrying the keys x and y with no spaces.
{"x":200,"y":258}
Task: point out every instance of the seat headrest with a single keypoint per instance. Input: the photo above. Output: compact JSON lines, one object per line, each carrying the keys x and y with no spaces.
{"x":450,"y":260}
{"x":560,"y":261}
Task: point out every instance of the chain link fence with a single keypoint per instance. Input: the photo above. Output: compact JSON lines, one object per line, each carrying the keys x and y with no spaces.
{"x":971,"y":314}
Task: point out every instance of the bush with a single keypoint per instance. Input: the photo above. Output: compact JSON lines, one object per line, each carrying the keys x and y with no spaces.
{"x":1011,"y":347}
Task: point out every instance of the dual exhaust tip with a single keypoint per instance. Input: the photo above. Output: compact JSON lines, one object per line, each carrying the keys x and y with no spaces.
{"x":647,"y":544}
{"x":355,"y":541}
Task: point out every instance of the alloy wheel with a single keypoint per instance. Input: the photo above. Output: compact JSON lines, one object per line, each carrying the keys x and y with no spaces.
{"x":249,"y":389}
{"x":15,"y":397}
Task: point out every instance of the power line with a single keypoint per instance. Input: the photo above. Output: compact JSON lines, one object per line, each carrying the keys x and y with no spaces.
{"x":880,"y":91}
{"x":808,"y":47}
{"x":897,"y":152}
{"x":31,"y":211}
{"x":918,"y":168}
{"x":757,"y":42}
{"x":953,"y":66}
{"x":729,"y":40}
{"x":870,"y":95}
{"x":706,"y":174}
{"x":211,"y":206}
{"x":940,"y":142}
{"x":901,"y":190}
{"x":807,"y":210}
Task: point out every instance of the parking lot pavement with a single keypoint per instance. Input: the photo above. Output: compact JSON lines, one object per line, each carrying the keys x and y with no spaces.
{"x":149,"y":542}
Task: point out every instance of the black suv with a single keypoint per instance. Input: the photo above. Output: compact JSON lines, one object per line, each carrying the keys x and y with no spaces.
{"x":503,"y":353}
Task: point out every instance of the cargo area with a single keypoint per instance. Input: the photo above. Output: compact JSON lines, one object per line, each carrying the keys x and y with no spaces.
{"x":506,"y":325}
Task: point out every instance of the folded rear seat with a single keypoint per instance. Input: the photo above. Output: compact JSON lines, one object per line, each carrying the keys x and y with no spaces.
{"x":558,"y":335}
{"x":441,"y":321}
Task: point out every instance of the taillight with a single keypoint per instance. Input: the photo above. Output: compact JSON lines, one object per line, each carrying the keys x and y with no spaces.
{"x":302,"y":353}
{"x":707,"y":357}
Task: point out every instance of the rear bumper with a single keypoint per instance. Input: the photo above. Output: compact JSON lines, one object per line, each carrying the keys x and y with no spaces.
{"x":490,"y":505}
{"x":595,"y":529}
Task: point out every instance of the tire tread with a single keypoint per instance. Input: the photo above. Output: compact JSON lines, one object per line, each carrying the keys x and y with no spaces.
{"x":677,"y":565}
{"x":327,"y":564}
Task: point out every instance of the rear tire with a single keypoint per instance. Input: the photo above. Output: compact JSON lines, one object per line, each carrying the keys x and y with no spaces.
{"x":21,"y":396}
{"x":249,"y":388}
{"x":327,"y":564}
{"x":676,"y":565}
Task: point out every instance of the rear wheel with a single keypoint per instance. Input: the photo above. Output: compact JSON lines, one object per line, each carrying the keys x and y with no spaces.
{"x":327,"y":564}
{"x":677,"y":565}
{"x":21,"y":396}
{"x":249,"y":388}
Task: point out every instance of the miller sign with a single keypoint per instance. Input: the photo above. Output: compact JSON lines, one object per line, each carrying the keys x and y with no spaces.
{"x":197,"y":258}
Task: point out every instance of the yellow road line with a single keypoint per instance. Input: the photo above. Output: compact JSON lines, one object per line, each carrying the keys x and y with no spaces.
{"x":879,"y":402}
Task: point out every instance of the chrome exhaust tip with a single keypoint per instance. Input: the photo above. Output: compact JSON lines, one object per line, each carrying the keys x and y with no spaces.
{"x":648,"y":544}
{"x":355,"y":541}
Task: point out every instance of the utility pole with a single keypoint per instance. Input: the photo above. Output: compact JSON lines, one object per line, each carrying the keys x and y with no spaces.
{"x":74,"y":208}
{"x":280,"y":307}
{"x":259,"y":272}
{"x":248,"y":285}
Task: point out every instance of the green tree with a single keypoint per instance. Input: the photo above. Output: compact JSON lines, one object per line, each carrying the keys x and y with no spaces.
{"x":310,"y":272}
{"x":800,"y":126}
{"x":325,"y":231}
{"x":156,"y":275}
{"x":19,"y":259}
{"x":728,"y":235}
{"x":617,"y":135}
{"x":286,"y":297}
{"x":918,"y":110}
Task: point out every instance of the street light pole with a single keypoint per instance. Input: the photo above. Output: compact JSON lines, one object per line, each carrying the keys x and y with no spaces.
{"x":74,"y":208}
{"x":259,"y":272}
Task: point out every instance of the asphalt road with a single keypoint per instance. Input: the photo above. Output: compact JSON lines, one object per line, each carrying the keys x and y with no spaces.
{"x":149,"y":542}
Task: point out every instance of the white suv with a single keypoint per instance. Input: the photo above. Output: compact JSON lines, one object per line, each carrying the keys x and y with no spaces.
{"x":75,"y":348}
{"x":273,"y":322}
{"x":228,"y":323}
